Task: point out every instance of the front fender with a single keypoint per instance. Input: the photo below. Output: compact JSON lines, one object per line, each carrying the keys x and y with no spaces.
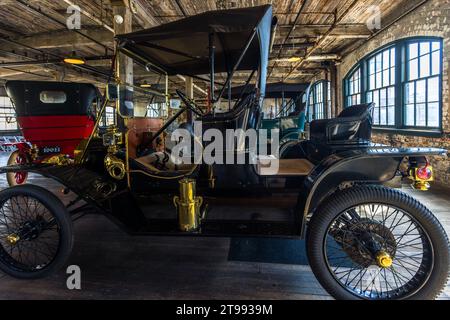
{"x":107,"y":196}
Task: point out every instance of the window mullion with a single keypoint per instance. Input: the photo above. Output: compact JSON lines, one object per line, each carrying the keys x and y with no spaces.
{"x":363,"y":78}
{"x":400,"y":68}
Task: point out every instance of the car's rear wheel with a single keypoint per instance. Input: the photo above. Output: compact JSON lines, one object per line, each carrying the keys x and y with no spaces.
{"x":19,"y":177}
{"x":35,"y":232}
{"x":378,"y":244}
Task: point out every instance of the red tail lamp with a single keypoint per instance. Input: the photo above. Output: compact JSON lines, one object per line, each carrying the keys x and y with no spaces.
{"x":424,"y":173}
{"x":422,"y":177}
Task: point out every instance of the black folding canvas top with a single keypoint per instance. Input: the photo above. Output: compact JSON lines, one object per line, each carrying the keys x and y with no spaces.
{"x":181,"y":47}
{"x":39,"y":98}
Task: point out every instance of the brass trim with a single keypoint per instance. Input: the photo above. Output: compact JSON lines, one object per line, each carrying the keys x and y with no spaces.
{"x":115,"y":167}
{"x":384,"y":260}
{"x":188,"y":206}
{"x":12,"y":239}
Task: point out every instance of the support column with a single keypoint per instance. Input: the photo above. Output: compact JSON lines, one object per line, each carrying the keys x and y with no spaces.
{"x":334,"y":90}
{"x":125,"y":64}
{"x":190,"y":94}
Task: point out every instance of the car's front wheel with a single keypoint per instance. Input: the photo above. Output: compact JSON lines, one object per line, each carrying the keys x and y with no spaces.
{"x":35,"y":232}
{"x":378,"y":244}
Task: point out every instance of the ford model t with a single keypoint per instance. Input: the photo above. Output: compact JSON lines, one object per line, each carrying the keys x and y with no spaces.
{"x":54,"y":117}
{"x":364,"y":240}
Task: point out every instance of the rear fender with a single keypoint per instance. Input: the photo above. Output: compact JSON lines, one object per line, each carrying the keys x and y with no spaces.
{"x":338,"y":171}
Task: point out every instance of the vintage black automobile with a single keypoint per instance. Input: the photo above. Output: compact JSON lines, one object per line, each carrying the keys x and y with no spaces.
{"x":364,"y":239}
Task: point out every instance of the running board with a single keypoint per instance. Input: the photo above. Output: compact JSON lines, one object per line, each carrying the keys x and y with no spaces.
{"x":224,"y":228}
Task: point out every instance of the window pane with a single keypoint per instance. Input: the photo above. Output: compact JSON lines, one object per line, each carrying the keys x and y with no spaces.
{"x":378,"y":80}
{"x":383,"y":98}
{"x":378,"y":62}
{"x":376,"y":98}
{"x":420,"y":91}
{"x":391,"y":96}
{"x":393,"y":57}
{"x":424,"y":66}
{"x":386,"y":79}
{"x":372,"y":82}
{"x":433,"y":89}
{"x":392,"y":76}
{"x":371,"y":66}
{"x":354,"y":88}
{"x":409,"y":115}
{"x":383,"y":115}
{"x":436,"y":46}
{"x":391,"y":115}
{"x":424,"y":48}
{"x":7,"y":115}
{"x":421,"y":115}
{"x":436,"y":63}
{"x":413,"y":51}
{"x":413,"y":69}
{"x":376,"y":116}
{"x":409,"y":93}
{"x":433,"y":115}
{"x":386,"y":55}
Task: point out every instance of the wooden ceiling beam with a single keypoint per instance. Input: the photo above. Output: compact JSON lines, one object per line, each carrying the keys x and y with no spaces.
{"x":64,"y":39}
{"x":141,"y":10}
{"x":320,"y":30}
{"x":323,"y":38}
{"x":288,"y":34}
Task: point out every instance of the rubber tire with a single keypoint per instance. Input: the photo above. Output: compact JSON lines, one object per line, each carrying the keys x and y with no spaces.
{"x":351,"y":197}
{"x":10,"y":176}
{"x":59,"y":211}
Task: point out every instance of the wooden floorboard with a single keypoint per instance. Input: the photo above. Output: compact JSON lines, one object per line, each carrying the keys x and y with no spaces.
{"x":117,"y":266}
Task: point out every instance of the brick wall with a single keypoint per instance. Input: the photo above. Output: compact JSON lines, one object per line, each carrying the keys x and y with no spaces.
{"x":432,"y":19}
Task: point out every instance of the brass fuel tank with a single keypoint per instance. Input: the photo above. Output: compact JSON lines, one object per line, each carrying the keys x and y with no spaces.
{"x":188,"y":206}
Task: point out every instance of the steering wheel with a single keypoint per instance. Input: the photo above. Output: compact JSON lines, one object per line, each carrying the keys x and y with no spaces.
{"x":189,"y":103}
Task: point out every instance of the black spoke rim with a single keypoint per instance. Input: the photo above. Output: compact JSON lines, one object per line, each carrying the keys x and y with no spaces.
{"x":355,"y":236}
{"x":37,"y":231}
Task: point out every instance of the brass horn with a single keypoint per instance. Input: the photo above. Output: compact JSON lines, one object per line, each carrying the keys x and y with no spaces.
{"x":115,"y":167}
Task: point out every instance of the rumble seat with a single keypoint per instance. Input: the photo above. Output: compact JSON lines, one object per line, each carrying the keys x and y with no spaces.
{"x":352,"y":126}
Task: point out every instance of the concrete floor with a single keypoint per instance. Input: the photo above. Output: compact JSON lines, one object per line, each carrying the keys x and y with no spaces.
{"x":117,"y":266}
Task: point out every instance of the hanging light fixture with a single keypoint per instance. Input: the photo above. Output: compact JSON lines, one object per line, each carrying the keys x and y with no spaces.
{"x":291,"y":59}
{"x":74,"y":59}
{"x":145,"y":85}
